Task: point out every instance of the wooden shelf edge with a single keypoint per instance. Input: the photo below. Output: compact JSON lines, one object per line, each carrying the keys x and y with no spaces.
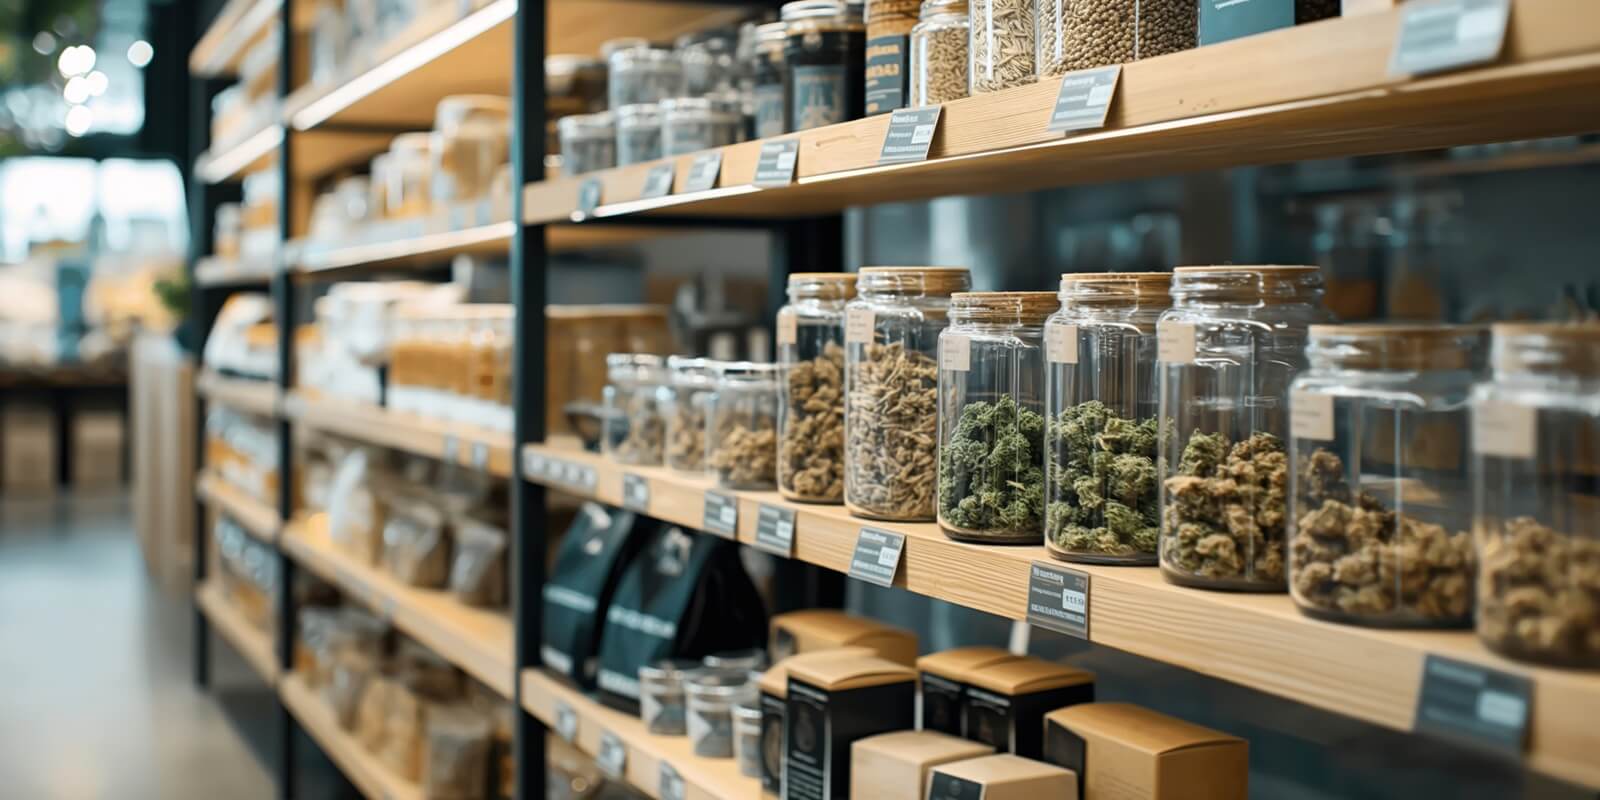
{"x":1258,"y":641}
{"x":460,"y":443}
{"x":217,"y":271}
{"x":370,"y":776}
{"x":223,"y":44}
{"x":250,"y":395}
{"x":257,"y":518}
{"x":431,"y":247}
{"x":245,"y":154}
{"x":252,"y":643}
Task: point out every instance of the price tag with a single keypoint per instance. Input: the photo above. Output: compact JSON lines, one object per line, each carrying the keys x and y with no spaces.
{"x":910,"y":135}
{"x":1084,"y":99}
{"x":1175,"y":342}
{"x":670,"y":784}
{"x":1474,"y":706}
{"x":877,"y":556}
{"x":955,"y":352}
{"x":788,"y":327}
{"x":1061,"y":344}
{"x":533,"y":464}
{"x":1058,"y":599}
{"x":588,"y":198}
{"x":1311,"y":416}
{"x":775,"y":166}
{"x":452,"y":448}
{"x":703,"y":172}
{"x":635,"y":493}
{"x":858,"y":325}
{"x":658,"y":183}
{"x":480,"y":455}
{"x":566,"y":722}
{"x":775,"y":530}
{"x":721,"y":515}
{"x":1439,"y":35}
{"x":613,"y":756}
{"x":1504,"y":430}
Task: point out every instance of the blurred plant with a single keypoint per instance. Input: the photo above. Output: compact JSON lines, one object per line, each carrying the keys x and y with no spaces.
{"x":172,"y":290}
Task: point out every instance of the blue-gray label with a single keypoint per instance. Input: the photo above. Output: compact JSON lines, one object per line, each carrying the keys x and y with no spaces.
{"x":769,"y":110}
{"x":589,"y":196}
{"x":1474,"y":706}
{"x":886,"y":74}
{"x":658,"y":182}
{"x":1058,"y":599}
{"x":817,"y":96}
{"x":910,"y":135}
{"x":702,"y":175}
{"x":775,"y":166}
{"x":877,"y":556}
{"x":1448,"y":34}
{"x":1084,"y":99}
{"x":1221,"y":20}
{"x":775,"y":530}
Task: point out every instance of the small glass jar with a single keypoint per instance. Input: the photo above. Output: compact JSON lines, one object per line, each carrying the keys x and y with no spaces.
{"x":991,"y":422}
{"x":226,"y":230}
{"x":891,"y":424}
{"x":747,"y":738}
{"x":642,"y":74}
{"x":469,"y":142}
{"x":662,"y":705}
{"x":769,"y":81}
{"x":751,"y":659}
{"x":810,"y":340}
{"x":574,"y":84}
{"x":638,"y":133}
{"x":1228,"y":349}
{"x":825,"y":57}
{"x":685,"y":399}
{"x":1536,"y":454}
{"x":708,"y":65}
{"x":1085,"y":34}
{"x":1102,"y":504}
{"x":588,"y":142}
{"x":742,"y":426}
{"x":711,"y":695}
{"x":1000,"y":49}
{"x":939,"y":53}
{"x":633,"y":430}
{"x":691,"y":124}
{"x":408,"y":181}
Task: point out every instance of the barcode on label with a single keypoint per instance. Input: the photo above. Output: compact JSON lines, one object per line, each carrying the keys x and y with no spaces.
{"x":923,"y":134}
{"x":1100,"y":95}
{"x":888,"y":557}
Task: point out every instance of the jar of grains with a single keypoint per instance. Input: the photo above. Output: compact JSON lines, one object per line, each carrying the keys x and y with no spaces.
{"x":1380,"y":504}
{"x":690,"y":382}
{"x":769,"y":81}
{"x":1084,"y":34}
{"x":991,"y":422}
{"x":824,"y":55}
{"x":1228,"y":349}
{"x":638,"y":133}
{"x":1536,"y":457}
{"x":1000,"y":49}
{"x":642,"y":74}
{"x":588,"y":142}
{"x":632,"y":430}
{"x":891,"y":388}
{"x":939,"y":53}
{"x":690,"y":124}
{"x":889,"y":24}
{"x":742,"y":426}
{"x":811,"y":412}
{"x":1101,"y":497}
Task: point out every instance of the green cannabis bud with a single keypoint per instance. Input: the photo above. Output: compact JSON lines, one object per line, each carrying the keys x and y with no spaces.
{"x":991,"y":475}
{"x":1103,"y":482}
{"x":1225,"y":516}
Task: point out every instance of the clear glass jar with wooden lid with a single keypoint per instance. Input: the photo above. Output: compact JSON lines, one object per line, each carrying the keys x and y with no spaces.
{"x":938,"y":60}
{"x":891,"y":425}
{"x":1228,"y":349}
{"x":742,"y":426}
{"x":684,"y":402}
{"x":991,"y":417}
{"x":1101,"y":496}
{"x":1536,"y":466}
{"x":1380,"y":498}
{"x":632,"y":429}
{"x":810,"y":341}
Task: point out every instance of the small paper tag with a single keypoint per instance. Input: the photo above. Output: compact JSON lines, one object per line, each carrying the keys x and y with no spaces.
{"x":1441,"y":35}
{"x":775,"y":166}
{"x":613,"y":756}
{"x":1058,"y":599}
{"x":635,"y":493}
{"x":955,"y":352}
{"x":566,"y":722}
{"x":1061,"y":343}
{"x":775,"y":530}
{"x":480,"y":455}
{"x":1311,"y":415}
{"x":452,"y":449}
{"x":1504,"y":429}
{"x":670,"y":784}
{"x":721,"y":515}
{"x":1175,"y":342}
{"x":877,"y":556}
{"x":1474,"y":706}
{"x":703,"y":172}
{"x":1084,"y":99}
{"x":589,"y":197}
{"x":858,"y":325}
{"x":910,"y":135}
{"x":658,"y":183}
{"x":788,"y":327}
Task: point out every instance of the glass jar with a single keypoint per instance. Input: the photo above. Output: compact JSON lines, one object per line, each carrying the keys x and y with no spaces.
{"x":574,"y":84}
{"x":810,"y":339}
{"x":1101,"y":497}
{"x":226,"y":230}
{"x":747,"y":738}
{"x":1379,"y":508}
{"x":825,"y":57}
{"x":708,"y":64}
{"x":742,"y":426}
{"x":638,"y":133}
{"x":769,"y":81}
{"x":642,"y":74}
{"x":1085,"y":34}
{"x":891,"y":424}
{"x":1000,"y":48}
{"x":588,"y":142}
{"x":408,"y":177}
{"x":939,"y":53}
{"x":469,"y":142}
{"x":632,"y":431}
{"x":747,"y":660}
{"x":661,"y":696}
{"x":889,"y":24}
{"x":711,"y":695}
{"x":1536,"y":455}
{"x":690,"y":124}
{"x":690,"y":384}
{"x":1227,"y":350}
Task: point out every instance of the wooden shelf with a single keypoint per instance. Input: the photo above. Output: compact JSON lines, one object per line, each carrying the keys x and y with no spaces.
{"x":1312,"y":91}
{"x":316,"y":153}
{"x":257,"y":518}
{"x":468,"y":445}
{"x":1509,"y":162}
{"x":218,"y":271}
{"x":1258,"y":641}
{"x":250,"y":395}
{"x":251,"y":642}
{"x":370,"y":776}
{"x":477,"y":640}
{"x":712,"y":778}
{"x":251,"y":152}
{"x":238,"y":25}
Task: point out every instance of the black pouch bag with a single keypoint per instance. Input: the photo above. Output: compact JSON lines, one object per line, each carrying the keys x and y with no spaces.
{"x":683,"y":596}
{"x":598,"y":546}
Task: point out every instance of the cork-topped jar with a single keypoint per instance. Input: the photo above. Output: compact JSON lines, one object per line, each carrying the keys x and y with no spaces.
{"x":742,"y":425}
{"x":939,"y":53}
{"x":991,"y":417}
{"x":633,"y":429}
{"x":685,"y":399}
{"x":825,"y":56}
{"x":811,"y":394}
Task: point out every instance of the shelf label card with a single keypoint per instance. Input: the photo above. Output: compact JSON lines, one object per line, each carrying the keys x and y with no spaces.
{"x":910,"y":135}
{"x":452,"y":449}
{"x":658,"y":183}
{"x":669,"y":786}
{"x":955,"y":352}
{"x":877,"y":556}
{"x":588,"y":198}
{"x":1439,"y":35}
{"x":703,"y":172}
{"x":1474,"y":706}
{"x":536,"y":466}
{"x":775,"y":530}
{"x":1061,"y":344}
{"x":635,"y":493}
{"x":858,"y":325}
{"x":1084,"y":99}
{"x":613,"y":756}
{"x":1058,"y":599}
{"x":1505,"y":430}
{"x":566,"y":722}
{"x":721,"y":515}
{"x":1175,"y":342}
{"x":1311,"y":415}
{"x":775,"y":166}
{"x":480,"y":455}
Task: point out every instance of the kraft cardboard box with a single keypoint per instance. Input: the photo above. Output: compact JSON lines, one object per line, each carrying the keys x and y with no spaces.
{"x":943,"y":682}
{"x":28,"y":450}
{"x":830,"y":705}
{"x":895,"y":766}
{"x":97,"y":445}
{"x":1124,"y":750}
{"x":1002,"y":777}
{"x":774,"y":685}
{"x":825,"y":629}
{"x":1007,"y":702}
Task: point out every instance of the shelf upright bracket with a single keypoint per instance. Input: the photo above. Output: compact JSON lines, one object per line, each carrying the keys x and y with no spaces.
{"x":283,"y":301}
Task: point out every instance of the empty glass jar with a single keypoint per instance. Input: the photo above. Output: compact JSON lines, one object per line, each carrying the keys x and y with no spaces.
{"x":633,"y":430}
{"x":588,"y":142}
{"x":662,"y":704}
{"x":685,"y":399}
{"x":742,"y":430}
{"x":811,"y":409}
{"x":638,"y":133}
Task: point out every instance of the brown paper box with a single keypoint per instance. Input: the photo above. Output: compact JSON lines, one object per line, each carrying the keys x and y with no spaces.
{"x":895,"y":766}
{"x":823,"y":629}
{"x":831,"y":704}
{"x":1124,"y":751}
{"x":1006,"y":702}
{"x":774,"y":685}
{"x":943,"y":683}
{"x":1001,"y":777}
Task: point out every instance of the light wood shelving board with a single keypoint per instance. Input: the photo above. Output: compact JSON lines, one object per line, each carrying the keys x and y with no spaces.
{"x":316,"y":153}
{"x":581,"y":26}
{"x":1258,"y":641}
{"x":241,"y":155}
{"x":238,"y":25}
{"x":477,"y":640}
{"x":703,"y":778}
{"x":472,"y":446}
{"x":369,"y":775}
{"x":219,"y":271}
{"x":257,"y":518}
{"x":251,"y":642}
{"x":244,"y":394}
{"x":1313,"y":91}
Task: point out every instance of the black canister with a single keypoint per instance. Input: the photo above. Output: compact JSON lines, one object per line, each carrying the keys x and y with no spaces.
{"x":825,"y":58}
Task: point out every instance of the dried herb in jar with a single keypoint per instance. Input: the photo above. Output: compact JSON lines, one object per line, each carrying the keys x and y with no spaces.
{"x":892,"y":428}
{"x":811,"y":457}
{"x":646,"y":432}
{"x":991,"y":472}
{"x":1226,"y":515}
{"x":1106,"y":476}
{"x":1001,"y":44}
{"x":743,"y":456}
{"x":1539,"y":591}
{"x":686,"y":446}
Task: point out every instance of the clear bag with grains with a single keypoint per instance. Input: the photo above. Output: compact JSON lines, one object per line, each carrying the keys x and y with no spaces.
{"x":939,"y":53}
{"x":810,"y":341}
{"x":742,"y":426}
{"x":1000,"y":48}
{"x":459,"y":739}
{"x":416,"y":549}
{"x":1085,"y":34}
{"x":632,"y":430}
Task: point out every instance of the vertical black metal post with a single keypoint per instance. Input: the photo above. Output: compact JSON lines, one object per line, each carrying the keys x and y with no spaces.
{"x":529,"y":289}
{"x":283,"y":296}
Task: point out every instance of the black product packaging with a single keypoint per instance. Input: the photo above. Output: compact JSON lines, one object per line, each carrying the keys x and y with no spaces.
{"x":774,"y":686}
{"x":830,"y":705}
{"x":1007,"y":702}
{"x":944,"y":686}
{"x":887,"y":75}
{"x":588,"y":567}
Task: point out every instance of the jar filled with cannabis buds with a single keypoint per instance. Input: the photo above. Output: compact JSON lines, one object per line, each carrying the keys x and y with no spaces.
{"x":633,"y":430}
{"x":1228,"y":349}
{"x":825,"y":56}
{"x":991,"y":417}
{"x":742,"y":426}
{"x":810,"y":342}
{"x":1536,"y":458}
{"x":1102,"y":393}
{"x":684,"y":401}
{"x":891,"y":389}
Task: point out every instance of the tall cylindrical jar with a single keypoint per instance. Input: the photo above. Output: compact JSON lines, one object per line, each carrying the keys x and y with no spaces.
{"x":1085,"y":34}
{"x":824,"y":54}
{"x":1102,"y":499}
{"x":770,"y":81}
{"x":891,"y":389}
{"x":638,"y":133}
{"x":889,"y":24}
{"x":632,"y":430}
{"x":686,"y":397}
{"x":742,"y":426}
{"x":811,"y":408}
{"x":991,"y":417}
{"x":939,"y":53}
{"x":1536,"y":455}
{"x":1001,"y":46}
{"x":1379,"y":511}
{"x":1228,"y":349}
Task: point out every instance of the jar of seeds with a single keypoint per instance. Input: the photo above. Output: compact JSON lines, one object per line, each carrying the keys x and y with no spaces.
{"x":991,"y":422}
{"x":770,"y":81}
{"x":1000,"y":49}
{"x":1102,"y":393}
{"x":811,"y":409}
{"x":690,"y":382}
{"x":742,"y":426}
{"x":1084,"y":34}
{"x":891,"y":409}
{"x":939,"y":53}
{"x":638,"y":133}
{"x":824,"y":55}
{"x":889,"y":24}
{"x":690,"y":124}
{"x":642,"y":74}
{"x":633,"y":431}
